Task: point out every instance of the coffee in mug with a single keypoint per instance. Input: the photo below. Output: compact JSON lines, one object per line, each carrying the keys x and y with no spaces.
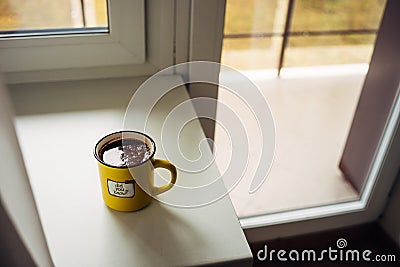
{"x":123,"y":158}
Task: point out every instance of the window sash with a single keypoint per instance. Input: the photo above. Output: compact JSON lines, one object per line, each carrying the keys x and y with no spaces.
{"x":124,"y":44}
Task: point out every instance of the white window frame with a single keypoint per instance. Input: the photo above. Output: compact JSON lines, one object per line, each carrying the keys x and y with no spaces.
{"x":139,"y":43}
{"x":71,"y":51}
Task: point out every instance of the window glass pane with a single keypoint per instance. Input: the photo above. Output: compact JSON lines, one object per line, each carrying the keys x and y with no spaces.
{"x":328,"y":50}
{"x":251,"y":53}
{"x":320,"y":15}
{"x":247,"y":16}
{"x":20,"y":15}
{"x":313,"y":106}
{"x":96,"y":13}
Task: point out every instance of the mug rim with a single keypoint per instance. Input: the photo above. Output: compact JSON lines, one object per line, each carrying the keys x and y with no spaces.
{"x":122,"y":132}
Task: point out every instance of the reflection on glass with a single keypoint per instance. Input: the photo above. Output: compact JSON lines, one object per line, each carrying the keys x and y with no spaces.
{"x":316,"y":15}
{"x":249,"y":16}
{"x":251,"y":53}
{"x":329,"y":50}
{"x":95,"y":13}
{"x":50,"y":14}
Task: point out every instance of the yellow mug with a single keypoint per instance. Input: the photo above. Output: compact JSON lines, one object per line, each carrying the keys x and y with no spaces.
{"x":123,"y":158}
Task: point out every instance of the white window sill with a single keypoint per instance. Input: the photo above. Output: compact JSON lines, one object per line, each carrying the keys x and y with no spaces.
{"x":57,"y":141}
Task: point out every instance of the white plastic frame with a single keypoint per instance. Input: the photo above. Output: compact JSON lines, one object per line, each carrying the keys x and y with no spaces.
{"x":123,"y":45}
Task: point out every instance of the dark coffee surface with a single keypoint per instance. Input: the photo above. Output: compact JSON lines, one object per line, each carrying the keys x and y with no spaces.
{"x":130,"y":152}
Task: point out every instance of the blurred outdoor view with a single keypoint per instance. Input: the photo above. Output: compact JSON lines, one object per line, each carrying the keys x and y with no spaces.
{"x":20,"y":15}
{"x":324,"y":48}
{"x":317,"y":32}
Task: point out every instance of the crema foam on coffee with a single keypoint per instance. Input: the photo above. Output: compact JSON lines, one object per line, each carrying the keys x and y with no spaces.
{"x":124,"y":154}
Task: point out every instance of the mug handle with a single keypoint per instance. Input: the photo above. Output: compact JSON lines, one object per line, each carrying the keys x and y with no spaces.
{"x":161,"y":163}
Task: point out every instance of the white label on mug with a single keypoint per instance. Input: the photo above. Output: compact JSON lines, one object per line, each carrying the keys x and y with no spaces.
{"x":118,"y":189}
